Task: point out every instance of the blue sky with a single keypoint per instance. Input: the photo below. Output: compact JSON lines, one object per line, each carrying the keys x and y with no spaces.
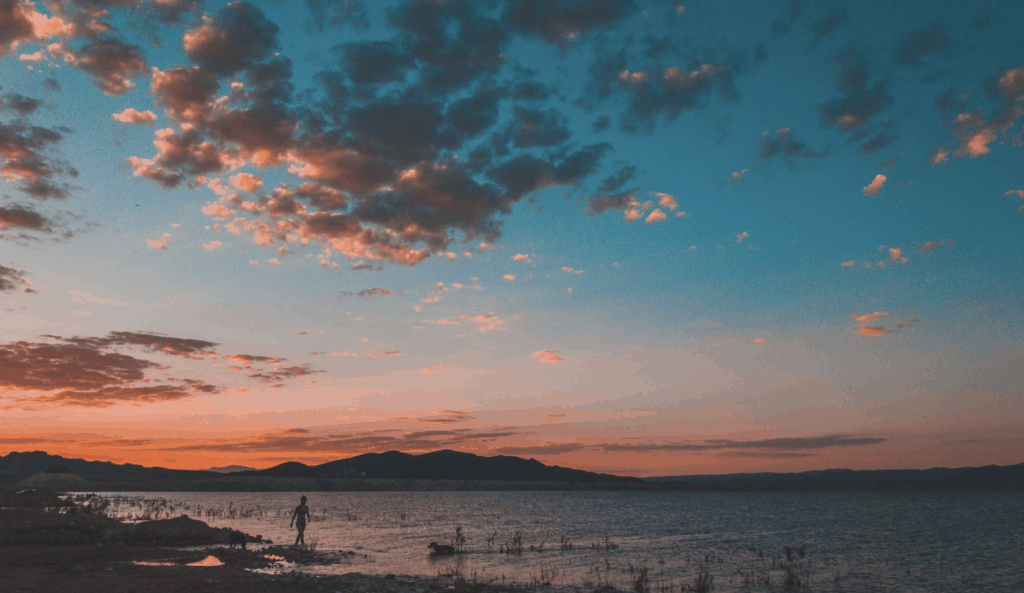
{"x":604,"y":234}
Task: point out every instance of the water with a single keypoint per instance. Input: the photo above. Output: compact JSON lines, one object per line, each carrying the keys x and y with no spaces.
{"x":873,"y":541}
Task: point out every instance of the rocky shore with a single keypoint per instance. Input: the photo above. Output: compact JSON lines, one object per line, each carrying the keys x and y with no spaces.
{"x":48,"y":543}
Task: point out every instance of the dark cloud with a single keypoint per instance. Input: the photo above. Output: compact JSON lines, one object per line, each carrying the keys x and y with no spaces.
{"x":20,"y":104}
{"x":111,"y":63}
{"x":828,"y":24}
{"x":880,"y":140}
{"x":22,"y":158}
{"x":12,"y":280}
{"x":609,"y":196}
{"x":659,"y":92}
{"x":601,"y":124}
{"x":455,"y":42}
{"x":236,"y":38}
{"x":919,"y":43}
{"x":361,"y":442}
{"x":20,"y":217}
{"x":781,"y":143}
{"x":375,"y":62}
{"x":90,"y":371}
{"x":554,"y":449}
{"x":51,"y":84}
{"x":83,"y":375}
{"x":334,"y":13}
{"x":369,"y":292}
{"x":794,"y":10}
{"x":561,"y":21}
{"x":786,"y":444}
{"x":378,"y":149}
{"x":859,"y":102}
{"x":15,"y":25}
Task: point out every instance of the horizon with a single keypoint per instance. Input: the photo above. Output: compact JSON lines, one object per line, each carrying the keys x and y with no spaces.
{"x":644,"y":238}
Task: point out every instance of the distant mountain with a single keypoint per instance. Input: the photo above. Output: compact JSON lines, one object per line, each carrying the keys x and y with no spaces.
{"x":438,"y":465}
{"x":37,"y":461}
{"x":227,"y":469}
{"x":992,"y":476}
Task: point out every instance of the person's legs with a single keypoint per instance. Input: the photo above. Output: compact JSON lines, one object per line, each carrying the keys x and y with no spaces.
{"x":301,"y":538}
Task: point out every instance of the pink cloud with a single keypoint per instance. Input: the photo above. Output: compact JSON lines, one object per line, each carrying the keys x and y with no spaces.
{"x":488,"y":322}
{"x":550,"y":356}
{"x":247,"y":182}
{"x":666,"y":200}
{"x":382,"y":353}
{"x":736,"y":179}
{"x":938,"y":156}
{"x":522,"y":257}
{"x":656,"y":215}
{"x":1019,"y":193}
{"x":895,"y":254}
{"x":875,"y":187}
{"x":872,"y":331}
{"x":869,"y":317}
{"x":160,"y":243}
{"x":740,"y":237}
{"x":932,"y":245}
{"x":510,"y":277}
{"x":132,"y":116}
{"x":847,"y":264}
{"x":433,"y":369}
{"x":212,"y":246}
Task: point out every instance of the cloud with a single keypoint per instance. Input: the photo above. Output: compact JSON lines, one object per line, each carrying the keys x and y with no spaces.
{"x":777,"y":444}
{"x":550,"y":356}
{"x":12,"y":280}
{"x":110,"y":62}
{"x":23,"y":158}
{"x":849,"y":263}
{"x":542,"y":449}
{"x":87,"y":372}
{"x":931,"y":245}
{"x":132,"y":116}
{"x":901,"y":323}
{"x":510,"y":277}
{"x":973,"y":131}
{"x":740,"y":237}
{"x":433,"y":369}
{"x":383,"y":353}
{"x":666,"y":200}
{"x":370,"y":292}
{"x":656,"y":215}
{"x":1019,"y":193}
{"x":522,"y":257}
{"x":20,"y":217}
{"x":875,"y":187}
{"x":896,"y":254}
{"x":919,"y":43}
{"x":84,"y":298}
{"x":486,"y":322}
{"x":159,"y":244}
{"x":247,"y":182}
{"x":869,"y":317}
{"x":736,"y":178}
{"x":212,"y":246}
{"x":872,"y":331}
{"x":20,"y":104}
{"x":780,"y":143}
{"x":860,"y":102}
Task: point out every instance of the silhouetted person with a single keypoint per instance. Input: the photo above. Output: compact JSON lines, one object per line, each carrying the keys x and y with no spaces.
{"x":299,"y":519}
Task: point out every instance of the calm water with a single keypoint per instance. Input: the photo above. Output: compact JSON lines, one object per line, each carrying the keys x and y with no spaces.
{"x":923,"y":541}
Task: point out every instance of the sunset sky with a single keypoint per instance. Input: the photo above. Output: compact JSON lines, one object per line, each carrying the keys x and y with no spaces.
{"x":646,"y":238}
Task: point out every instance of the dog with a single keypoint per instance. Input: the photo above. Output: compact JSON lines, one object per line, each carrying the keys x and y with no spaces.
{"x":236,"y":537}
{"x":440,"y":549}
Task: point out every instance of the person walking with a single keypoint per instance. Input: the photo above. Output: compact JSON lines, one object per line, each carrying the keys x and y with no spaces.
{"x":299,"y":518}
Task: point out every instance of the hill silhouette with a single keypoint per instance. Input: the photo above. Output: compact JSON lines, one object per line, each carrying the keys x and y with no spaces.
{"x":438,"y":465}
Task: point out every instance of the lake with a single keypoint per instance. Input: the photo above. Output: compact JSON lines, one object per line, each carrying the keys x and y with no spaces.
{"x":850,"y":541}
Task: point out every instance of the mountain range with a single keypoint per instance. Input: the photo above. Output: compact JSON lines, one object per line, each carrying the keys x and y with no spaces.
{"x":449,"y":470}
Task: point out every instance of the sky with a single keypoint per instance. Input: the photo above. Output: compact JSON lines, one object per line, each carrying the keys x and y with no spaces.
{"x":646,"y":238}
